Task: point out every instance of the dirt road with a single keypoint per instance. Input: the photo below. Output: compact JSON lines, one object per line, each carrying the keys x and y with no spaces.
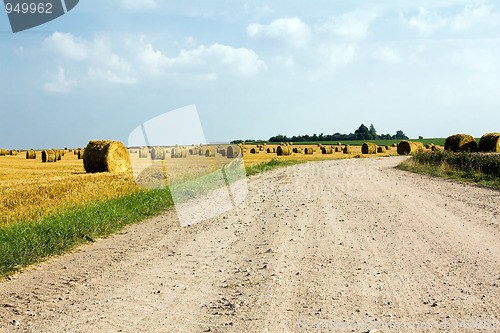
{"x":339,"y":246}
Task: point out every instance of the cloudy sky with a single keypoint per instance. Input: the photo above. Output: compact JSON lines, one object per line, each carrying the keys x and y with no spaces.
{"x":253,"y":69}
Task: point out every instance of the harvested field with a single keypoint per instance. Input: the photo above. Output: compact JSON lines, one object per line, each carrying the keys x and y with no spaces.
{"x":33,"y":189}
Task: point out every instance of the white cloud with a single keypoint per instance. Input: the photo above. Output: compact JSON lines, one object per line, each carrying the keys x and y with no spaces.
{"x":292,"y":30}
{"x":139,"y":59}
{"x":67,"y":46}
{"x":474,"y":16}
{"x":103,"y":64}
{"x":353,"y":25}
{"x":203,"y":60}
{"x":103,"y":75}
{"x":152,"y":61}
{"x":139,"y":5}
{"x":426,"y":22}
{"x":60,"y":83}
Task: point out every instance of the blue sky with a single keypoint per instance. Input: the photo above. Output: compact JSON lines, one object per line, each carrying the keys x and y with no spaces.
{"x":253,"y":69}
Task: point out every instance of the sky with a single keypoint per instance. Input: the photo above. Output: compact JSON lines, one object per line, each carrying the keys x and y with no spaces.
{"x":253,"y":69}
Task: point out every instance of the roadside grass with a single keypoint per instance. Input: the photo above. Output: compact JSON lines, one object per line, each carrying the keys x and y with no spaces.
{"x":271,"y":165}
{"x":444,"y":170}
{"x":24,"y":243}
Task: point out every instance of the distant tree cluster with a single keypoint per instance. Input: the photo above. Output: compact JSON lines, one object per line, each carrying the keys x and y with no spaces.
{"x":362,"y":133}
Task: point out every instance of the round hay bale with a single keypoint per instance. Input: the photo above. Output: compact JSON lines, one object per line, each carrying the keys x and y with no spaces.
{"x":339,"y":144}
{"x":435,"y":148}
{"x":460,"y":142}
{"x":58,"y":154}
{"x":75,"y":151}
{"x":297,"y":150}
{"x":284,"y":151}
{"x":30,"y":154}
{"x":326,"y":150}
{"x":254,"y":150}
{"x":347,"y":150}
{"x":429,"y":146}
{"x":233,"y":151}
{"x":369,"y":148}
{"x":308,"y":151}
{"x":157,"y":153}
{"x":208,"y":153}
{"x":223,"y":152}
{"x":4,"y":152}
{"x":13,"y":152}
{"x":178,"y":153}
{"x":387,"y":147}
{"x":143,"y":152}
{"x":380,"y":150}
{"x":406,"y":147}
{"x":394,"y":145}
{"x":81,"y":153}
{"x":49,"y":156}
{"x":338,"y":149}
{"x":106,"y":156}
{"x":490,"y":143}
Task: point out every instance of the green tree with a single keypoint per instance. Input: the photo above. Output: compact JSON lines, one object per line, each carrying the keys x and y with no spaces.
{"x":373,"y":132}
{"x":362,"y":133}
{"x":400,"y":135}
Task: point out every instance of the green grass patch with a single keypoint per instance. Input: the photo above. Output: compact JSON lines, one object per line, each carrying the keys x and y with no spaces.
{"x":481,"y":169}
{"x":272,"y":164}
{"x":24,"y":242}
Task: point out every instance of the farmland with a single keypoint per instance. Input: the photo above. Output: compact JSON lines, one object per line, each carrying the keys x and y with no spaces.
{"x":32,"y":190}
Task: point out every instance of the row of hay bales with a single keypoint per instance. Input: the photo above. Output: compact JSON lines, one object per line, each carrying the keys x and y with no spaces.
{"x":372,"y":148}
{"x":489,"y":143}
{"x":287,"y":150}
{"x":405,"y":147}
{"x":160,"y":153}
{"x":5,"y":152}
{"x":78,"y":151}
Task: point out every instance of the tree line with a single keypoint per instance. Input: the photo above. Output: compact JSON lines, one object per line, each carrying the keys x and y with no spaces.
{"x":362,"y":133}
